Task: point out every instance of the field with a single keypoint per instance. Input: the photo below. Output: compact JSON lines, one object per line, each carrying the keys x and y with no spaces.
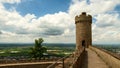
{"x":112,"y":48}
{"x":21,"y":51}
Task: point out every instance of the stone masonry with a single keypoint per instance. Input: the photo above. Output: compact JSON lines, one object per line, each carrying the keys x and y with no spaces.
{"x":83,"y":31}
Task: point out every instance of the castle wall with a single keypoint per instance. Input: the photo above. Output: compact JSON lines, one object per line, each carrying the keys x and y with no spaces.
{"x":109,"y":59}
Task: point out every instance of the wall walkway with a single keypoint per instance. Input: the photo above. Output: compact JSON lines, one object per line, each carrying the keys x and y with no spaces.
{"x":92,"y":60}
{"x":107,"y":57}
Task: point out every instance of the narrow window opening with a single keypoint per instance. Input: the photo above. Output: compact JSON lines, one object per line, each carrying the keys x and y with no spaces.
{"x":83,"y":44}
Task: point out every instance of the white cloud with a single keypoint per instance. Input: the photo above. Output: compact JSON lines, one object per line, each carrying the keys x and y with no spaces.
{"x":112,"y":19}
{"x":10,"y":1}
{"x":30,"y":27}
{"x":105,"y":28}
{"x":95,"y":7}
{"x":60,"y":27}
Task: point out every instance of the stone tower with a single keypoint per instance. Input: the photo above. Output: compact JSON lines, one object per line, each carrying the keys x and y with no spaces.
{"x":83,"y":30}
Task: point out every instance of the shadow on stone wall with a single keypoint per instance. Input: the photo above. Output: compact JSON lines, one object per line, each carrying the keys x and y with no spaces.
{"x":84,"y":63}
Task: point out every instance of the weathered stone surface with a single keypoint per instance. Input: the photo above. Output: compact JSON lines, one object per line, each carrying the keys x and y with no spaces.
{"x":27,"y":65}
{"x":92,"y":60}
{"x":111,"y":61}
{"x":83,"y":30}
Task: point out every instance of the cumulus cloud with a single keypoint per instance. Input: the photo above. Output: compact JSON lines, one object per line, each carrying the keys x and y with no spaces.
{"x":60,"y":27}
{"x":105,"y":26}
{"x":112,"y":20}
{"x":31,"y":26}
{"x":94,"y":8}
{"x":53,"y":31}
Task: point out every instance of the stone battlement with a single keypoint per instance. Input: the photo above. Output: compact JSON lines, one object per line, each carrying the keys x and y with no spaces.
{"x":83,"y":18}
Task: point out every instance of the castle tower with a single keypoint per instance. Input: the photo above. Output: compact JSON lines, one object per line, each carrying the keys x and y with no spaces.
{"x":83,"y":30}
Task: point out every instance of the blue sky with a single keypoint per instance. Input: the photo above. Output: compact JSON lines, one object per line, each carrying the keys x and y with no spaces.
{"x":53,"y":20}
{"x":117,"y":8}
{"x":43,"y":7}
{"x":40,"y":7}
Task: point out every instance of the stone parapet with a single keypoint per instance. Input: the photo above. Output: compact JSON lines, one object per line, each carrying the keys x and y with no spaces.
{"x":110,"y":60}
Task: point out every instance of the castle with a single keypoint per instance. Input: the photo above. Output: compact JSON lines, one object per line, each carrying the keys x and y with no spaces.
{"x":83,"y":30}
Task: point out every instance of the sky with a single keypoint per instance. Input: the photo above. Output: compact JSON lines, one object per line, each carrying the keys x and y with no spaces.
{"x":23,"y":21}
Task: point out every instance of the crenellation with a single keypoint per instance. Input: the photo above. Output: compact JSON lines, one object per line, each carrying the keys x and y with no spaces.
{"x":83,"y":18}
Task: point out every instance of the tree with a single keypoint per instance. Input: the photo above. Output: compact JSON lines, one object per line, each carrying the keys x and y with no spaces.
{"x":38,"y":50}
